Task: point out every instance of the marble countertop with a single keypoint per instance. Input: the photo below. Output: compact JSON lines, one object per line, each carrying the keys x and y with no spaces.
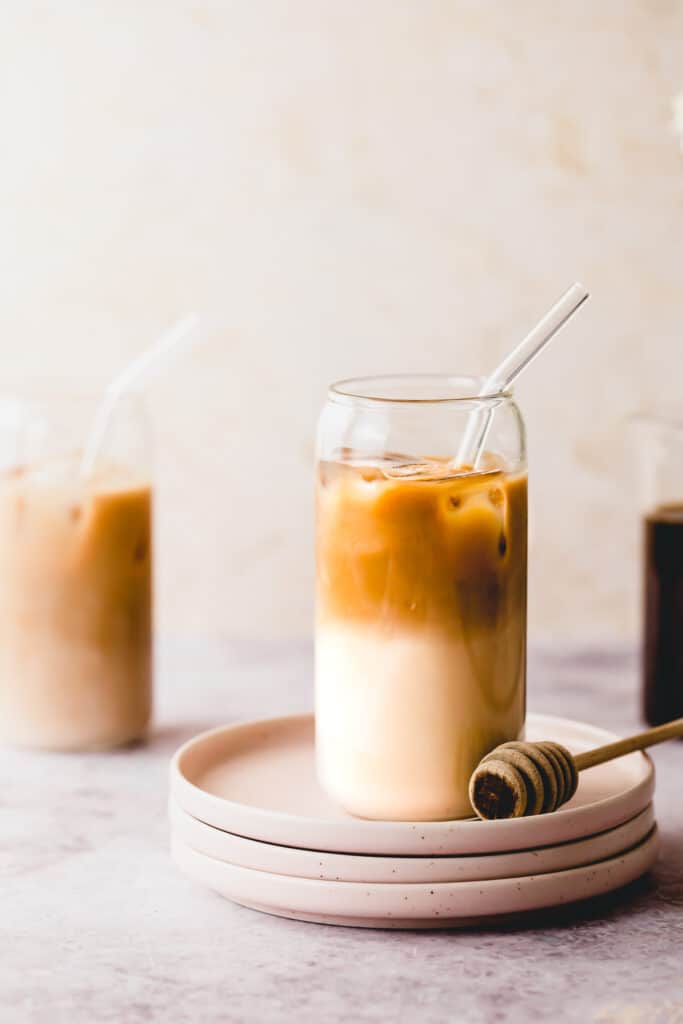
{"x":96,"y":923}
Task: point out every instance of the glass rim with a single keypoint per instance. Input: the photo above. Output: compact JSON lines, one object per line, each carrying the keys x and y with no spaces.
{"x":358,"y":389}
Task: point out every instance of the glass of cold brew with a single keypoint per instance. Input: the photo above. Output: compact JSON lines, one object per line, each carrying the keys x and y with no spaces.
{"x":660,"y":445}
{"x":421,"y":593}
{"x":75,"y":575}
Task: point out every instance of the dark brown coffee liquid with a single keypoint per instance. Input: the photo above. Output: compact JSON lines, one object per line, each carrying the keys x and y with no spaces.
{"x":663,"y":650}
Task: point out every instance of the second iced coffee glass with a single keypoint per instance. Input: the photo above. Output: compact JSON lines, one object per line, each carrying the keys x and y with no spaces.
{"x":75,"y":575}
{"x":421,"y":593}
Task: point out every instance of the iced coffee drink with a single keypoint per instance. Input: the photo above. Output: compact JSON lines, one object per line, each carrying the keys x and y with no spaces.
{"x":75,"y":605}
{"x":421,"y":626}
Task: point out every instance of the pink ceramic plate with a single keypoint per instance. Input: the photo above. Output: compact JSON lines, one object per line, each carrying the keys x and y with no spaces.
{"x":427,"y":905}
{"x":353,"y":867}
{"x":258,"y":780}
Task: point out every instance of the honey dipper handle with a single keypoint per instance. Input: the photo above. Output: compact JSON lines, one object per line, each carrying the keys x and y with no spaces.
{"x":649,"y":738}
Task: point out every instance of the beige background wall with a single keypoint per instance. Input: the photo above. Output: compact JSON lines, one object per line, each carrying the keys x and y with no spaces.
{"x":346,"y":187}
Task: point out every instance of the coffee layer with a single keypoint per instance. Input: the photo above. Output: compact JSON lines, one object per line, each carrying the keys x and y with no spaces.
{"x":421,"y":550}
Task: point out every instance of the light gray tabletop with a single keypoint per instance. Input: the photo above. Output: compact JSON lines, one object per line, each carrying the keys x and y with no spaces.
{"x":97,"y":925}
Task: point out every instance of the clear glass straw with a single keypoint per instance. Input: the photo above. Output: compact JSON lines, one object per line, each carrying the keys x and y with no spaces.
{"x":181,"y":335}
{"x":479,"y":423}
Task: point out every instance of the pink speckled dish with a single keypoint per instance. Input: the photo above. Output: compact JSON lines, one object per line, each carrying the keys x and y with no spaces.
{"x":425,"y":905}
{"x":257,"y":780}
{"x":352,"y":867}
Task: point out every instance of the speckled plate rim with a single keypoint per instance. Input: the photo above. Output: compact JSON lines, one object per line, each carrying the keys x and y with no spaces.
{"x":354,"y":867}
{"x":404,"y":838}
{"x":435,"y":904}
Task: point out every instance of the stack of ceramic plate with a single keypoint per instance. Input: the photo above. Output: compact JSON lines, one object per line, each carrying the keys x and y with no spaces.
{"x":249,"y":821}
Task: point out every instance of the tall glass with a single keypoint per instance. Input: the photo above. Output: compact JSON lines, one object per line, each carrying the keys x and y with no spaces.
{"x":661,"y":464}
{"x":421,"y":593}
{"x":75,"y":576}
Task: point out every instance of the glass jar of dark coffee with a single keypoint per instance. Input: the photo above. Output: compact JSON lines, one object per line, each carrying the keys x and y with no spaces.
{"x":661,"y":451}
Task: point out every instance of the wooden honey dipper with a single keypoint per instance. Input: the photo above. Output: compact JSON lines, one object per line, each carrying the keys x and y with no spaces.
{"x":518,"y":779}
